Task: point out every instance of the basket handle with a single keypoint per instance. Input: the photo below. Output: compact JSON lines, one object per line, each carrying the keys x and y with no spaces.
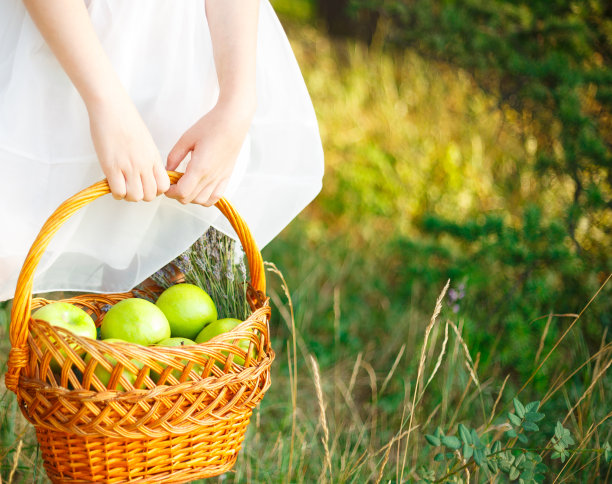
{"x":20,"y":315}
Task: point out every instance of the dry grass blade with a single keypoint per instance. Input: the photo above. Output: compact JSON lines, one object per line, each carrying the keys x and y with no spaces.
{"x":421,"y":368}
{"x":440,"y":356}
{"x":292,"y":368}
{"x":469,"y":363}
{"x":323,"y":418}
{"x":562,"y":337}
{"x":15,"y":461}
{"x":588,"y":390}
{"x":501,"y":392}
{"x":543,"y":337}
{"x":392,"y":370}
{"x":556,"y":387}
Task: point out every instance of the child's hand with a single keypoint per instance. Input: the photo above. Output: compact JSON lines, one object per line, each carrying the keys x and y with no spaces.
{"x":214,"y":142}
{"x":126,"y":152}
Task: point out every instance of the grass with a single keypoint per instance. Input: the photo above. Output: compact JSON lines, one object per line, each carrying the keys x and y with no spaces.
{"x":338,"y":423}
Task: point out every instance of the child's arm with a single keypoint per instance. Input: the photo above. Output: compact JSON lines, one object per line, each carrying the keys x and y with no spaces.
{"x":126,"y":151}
{"x":215,"y":140}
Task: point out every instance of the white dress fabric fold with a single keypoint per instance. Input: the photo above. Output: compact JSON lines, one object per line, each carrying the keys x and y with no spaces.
{"x":162,"y":52}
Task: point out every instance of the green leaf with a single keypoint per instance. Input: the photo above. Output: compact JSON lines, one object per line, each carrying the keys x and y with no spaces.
{"x":439,"y":457}
{"x":464,"y":433}
{"x":555,"y":455}
{"x":530,"y":426}
{"x":467,"y":451}
{"x":534,"y":416}
{"x":451,"y":442}
{"x":607,"y":452}
{"x":476,"y":439}
{"x":438,"y":433}
{"x":478,"y":457}
{"x":432,"y":440}
{"x":504,"y":466}
{"x":532,"y":406}
{"x":518,"y":407}
{"x":564,"y":454}
{"x":519,"y":460}
{"x":511,"y":433}
{"x":559,"y":430}
{"x":497,"y":446}
{"x":523,"y":438}
{"x":492,"y":465}
{"x":514,"y":474}
{"x":514,"y":419}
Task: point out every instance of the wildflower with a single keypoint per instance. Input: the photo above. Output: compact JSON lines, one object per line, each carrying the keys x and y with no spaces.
{"x":183,"y":263}
{"x":455,"y":296}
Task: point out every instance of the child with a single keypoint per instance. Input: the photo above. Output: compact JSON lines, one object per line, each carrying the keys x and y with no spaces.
{"x":125,"y":90}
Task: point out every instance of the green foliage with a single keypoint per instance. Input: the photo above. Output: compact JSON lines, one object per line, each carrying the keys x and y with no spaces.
{"x":560,"y":442}
{"x":494,"y":457}
{"x":550,"y":61}
{"x":514,"y":274}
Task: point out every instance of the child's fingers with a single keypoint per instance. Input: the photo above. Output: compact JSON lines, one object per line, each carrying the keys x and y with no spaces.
{"x":202,"y":197}
{"x":161,"y":178}
{"x":149,"y":186}
{"x":187,"y":187}
{"x":209,"y":197}
{"x":117,"y":185}
{"x":178,"y":153}
{"x":134,"y":186}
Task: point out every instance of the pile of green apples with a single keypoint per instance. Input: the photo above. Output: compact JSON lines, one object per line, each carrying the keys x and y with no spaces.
{"x":184,"y":314}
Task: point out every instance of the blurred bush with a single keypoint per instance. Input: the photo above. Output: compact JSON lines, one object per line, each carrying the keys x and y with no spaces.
{"x":549,"y":61}
{"x":470,"y":140}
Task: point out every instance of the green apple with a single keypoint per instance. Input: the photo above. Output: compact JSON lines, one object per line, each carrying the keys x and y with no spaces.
{"x":104,"y":375}
{"x":70,"y":317}
{"x":223,"y":326}
{"x":188,"y":309}
{"x":176,"y":343}
{"x":135,"y":320}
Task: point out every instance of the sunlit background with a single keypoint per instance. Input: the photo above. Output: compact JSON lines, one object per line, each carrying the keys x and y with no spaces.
{"x":468,"y":141}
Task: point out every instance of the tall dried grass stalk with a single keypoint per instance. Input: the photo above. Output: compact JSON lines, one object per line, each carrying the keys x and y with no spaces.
{"x":15,"y":461}
{"x":322,"y":416}
{"x":469,"y":362}
{"x":543,"y":337}
{"x":562,"y":337}
{"x":501,"y":392}
{"x":356,"y":366}
{"x":588,"y":390}
{"x":581,"y":444}
{"x":420,"y":370}
{"x":392,"y":370}
{"x":556,"y":387}
{"x":440,"y":356}
{"x":271,"y":267}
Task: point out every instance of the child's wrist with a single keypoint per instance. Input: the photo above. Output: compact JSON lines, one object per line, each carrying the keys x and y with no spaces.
{"x":240,"y":104}
{"x":101,"y":97}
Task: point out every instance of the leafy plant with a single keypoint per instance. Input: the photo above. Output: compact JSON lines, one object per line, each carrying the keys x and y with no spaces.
{"x":469,"y":449}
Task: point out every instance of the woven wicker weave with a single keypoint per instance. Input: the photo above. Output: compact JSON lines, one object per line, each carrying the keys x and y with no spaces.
{"x":188,"y":425}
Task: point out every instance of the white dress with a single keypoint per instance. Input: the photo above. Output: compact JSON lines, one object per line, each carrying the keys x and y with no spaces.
{"x":162,"y":51}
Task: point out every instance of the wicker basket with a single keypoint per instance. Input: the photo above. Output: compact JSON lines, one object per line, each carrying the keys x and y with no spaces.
{"x":188,"y":425}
